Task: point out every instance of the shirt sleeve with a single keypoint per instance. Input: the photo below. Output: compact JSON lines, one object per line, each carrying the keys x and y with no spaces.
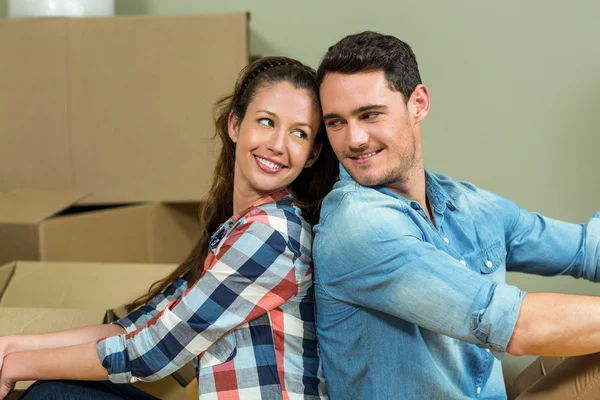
{"x":140,"y":317}
{"x":382,"y":262}
{"x":544,"y":246}
{"x":252,"y":274}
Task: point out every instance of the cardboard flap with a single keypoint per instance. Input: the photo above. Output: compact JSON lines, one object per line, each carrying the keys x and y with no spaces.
{"x":80,"y":285}
{"x":17,"y":320}
{"x":6,"y":272}
{"x":33,"y":206}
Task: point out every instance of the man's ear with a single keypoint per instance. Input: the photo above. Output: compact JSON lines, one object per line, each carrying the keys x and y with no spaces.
{"x":419,"y":103}
{"x":233,"y":126}
{"x":314,"y":155}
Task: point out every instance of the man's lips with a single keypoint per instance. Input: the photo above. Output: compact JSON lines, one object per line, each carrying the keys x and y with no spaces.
{"x":364,"y":157}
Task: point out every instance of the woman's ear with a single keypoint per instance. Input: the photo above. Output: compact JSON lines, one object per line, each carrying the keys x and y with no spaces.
{"x":314,"y":155}
{"x":233,"y":125}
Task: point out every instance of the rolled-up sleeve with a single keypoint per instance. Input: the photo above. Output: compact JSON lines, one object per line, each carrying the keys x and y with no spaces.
{"x":539,"y":245}
{"x":384,"y":264}
{"x":252,"y":274}
{"x":140,"y":317}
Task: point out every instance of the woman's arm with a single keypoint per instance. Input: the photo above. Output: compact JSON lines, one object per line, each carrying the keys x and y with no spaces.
{"x":252,"y":273}
{"x":140,"y":317}
{"x":134,"y":320}
{"x":78,"y":362}
{"x":16,"y":343}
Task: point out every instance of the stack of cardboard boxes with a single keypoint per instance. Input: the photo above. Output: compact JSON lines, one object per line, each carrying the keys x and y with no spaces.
{"x":105,"y":152}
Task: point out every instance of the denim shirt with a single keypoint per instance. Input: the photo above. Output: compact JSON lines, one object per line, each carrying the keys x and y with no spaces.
{"x":411,"y":310}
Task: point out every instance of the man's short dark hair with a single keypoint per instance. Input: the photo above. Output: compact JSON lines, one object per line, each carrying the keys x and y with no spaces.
{"x":371,"y":51}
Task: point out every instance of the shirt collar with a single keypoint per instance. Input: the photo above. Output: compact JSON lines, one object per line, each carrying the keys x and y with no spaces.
{"x":437,"y":195}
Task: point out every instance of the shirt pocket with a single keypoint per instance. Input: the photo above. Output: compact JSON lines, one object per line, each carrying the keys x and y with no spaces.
{"x":223,"y":350}
{"x":491,"y":260}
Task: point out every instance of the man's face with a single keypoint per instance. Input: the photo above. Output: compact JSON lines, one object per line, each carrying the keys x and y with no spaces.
{"x":371,"y":128}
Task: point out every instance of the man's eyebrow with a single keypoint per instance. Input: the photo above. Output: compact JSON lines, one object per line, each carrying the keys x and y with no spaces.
{"x":357,"y":111}
{"x":369,"y":107}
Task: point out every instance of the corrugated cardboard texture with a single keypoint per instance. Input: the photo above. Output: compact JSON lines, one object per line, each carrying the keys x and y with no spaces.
{"x":78,"y":285}
{"x":174,"y":229}
{"x":6,"y":272}
{"x":35,"y":139}
{"x":154,"y":233}
{"x":18,"y":320}
{"x":119,"y":235}
{"x":19,"y":242}
{"x":576,"y":378}
{"x":126,"y":103}
{"x":32,"y":206}
{"x":530,"y":375}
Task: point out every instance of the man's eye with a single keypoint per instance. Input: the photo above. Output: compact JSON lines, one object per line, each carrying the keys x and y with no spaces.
{"x":266,"y":122}
{"x":334,"y":124}
{"x":371,"y":115}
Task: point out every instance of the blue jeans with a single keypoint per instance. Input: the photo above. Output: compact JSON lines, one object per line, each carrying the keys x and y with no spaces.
{"x":83,"y":390}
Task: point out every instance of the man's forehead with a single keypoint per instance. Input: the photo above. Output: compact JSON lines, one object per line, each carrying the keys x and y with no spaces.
{"x":341,"y":93}
{"x":336,"y":80}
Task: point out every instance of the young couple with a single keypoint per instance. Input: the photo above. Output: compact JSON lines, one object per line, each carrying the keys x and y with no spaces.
{"x":409,"y":266}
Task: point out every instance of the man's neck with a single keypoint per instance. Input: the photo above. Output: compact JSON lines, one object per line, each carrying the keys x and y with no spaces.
{"x":413,"y":188}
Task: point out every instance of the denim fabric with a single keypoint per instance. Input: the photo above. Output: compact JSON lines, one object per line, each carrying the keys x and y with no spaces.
{"x":411,"y":310}
{"x":84,"y":390}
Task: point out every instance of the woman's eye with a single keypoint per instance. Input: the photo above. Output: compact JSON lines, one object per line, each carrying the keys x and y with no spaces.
{"x":265,"y":121}
{"x":300,"y":133}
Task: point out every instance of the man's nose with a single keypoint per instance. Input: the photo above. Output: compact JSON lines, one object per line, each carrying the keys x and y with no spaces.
{"x":358,"y":136}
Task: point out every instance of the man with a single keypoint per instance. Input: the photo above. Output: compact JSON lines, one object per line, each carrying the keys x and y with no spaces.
{"x":410,"y":266}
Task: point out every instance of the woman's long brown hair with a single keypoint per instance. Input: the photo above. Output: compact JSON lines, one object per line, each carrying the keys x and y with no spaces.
{"x":309,"y":188}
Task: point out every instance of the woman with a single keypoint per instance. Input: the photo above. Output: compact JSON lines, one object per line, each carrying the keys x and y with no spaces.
{"x":242,"y":302}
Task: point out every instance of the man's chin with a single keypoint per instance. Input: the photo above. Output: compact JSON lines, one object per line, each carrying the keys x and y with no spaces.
{"x":363,"y":179}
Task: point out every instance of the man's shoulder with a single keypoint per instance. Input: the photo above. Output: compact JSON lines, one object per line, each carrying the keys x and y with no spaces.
{"x":459,"y":190}
{"x":348,"y":197}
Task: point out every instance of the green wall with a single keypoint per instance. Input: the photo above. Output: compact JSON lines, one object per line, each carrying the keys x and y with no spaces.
{"x":514,"y":87}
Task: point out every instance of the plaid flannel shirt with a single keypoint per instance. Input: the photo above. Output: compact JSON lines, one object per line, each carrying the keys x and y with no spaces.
{"x":249,"y":320}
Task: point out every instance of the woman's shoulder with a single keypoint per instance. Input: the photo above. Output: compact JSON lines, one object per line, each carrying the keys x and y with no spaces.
{"x":284,"y":217}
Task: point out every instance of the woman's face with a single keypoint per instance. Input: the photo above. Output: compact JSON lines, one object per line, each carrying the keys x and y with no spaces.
{"x":275,"y":140}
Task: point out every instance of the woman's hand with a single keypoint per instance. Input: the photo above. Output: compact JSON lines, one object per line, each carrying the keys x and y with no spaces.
{"x":3,"y":349}
{"x":6,"y":386}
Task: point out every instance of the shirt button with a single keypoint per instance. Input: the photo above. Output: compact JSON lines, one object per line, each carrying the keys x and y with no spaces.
{"x":478,"y":390}
{"x":463,"y":262}
{"x":487,"y":350}
{"x":489,"y":264}
{"x":414,"y":205}
{"x":446,"y":240}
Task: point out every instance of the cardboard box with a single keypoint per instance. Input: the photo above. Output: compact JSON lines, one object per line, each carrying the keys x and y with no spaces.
{"x":88,"y":286}
{"x":559,"y":378}
{"x":530,"y":375}
{"x":32,"y":228}
{"x":120,"y":106}
{"x":39,"y":297}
